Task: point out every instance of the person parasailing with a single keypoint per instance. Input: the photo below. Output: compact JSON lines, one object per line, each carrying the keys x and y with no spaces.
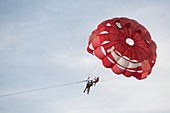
{"x":90,"y":84}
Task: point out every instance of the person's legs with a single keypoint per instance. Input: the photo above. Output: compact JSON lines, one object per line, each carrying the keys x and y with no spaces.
{"x":88,"y":90}
{"x":85,"y":89}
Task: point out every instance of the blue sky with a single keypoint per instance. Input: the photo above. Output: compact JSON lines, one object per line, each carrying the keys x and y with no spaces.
{"x":43,"y":43}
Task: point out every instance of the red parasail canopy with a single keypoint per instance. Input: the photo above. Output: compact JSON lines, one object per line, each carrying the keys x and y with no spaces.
{"x":125,"y":46}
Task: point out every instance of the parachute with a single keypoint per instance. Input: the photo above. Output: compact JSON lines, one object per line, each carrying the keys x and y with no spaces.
{"x":125,"y":46}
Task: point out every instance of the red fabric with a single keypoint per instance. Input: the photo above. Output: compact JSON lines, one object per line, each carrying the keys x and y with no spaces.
{"x":130,"y":60}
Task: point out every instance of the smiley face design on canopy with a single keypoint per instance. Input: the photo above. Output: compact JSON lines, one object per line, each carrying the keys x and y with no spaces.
{"x":125,"y":46}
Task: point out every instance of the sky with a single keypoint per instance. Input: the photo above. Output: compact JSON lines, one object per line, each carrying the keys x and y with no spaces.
{"x":43,"y":43}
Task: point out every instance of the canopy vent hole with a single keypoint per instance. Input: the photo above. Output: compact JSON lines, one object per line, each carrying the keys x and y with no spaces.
{"x":130,"y":41}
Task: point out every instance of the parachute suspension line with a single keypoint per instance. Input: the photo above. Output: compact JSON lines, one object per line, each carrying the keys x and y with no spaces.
{"x":97,"y":72}
{"x":39,"y":89}
{"x":94,"y":70}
